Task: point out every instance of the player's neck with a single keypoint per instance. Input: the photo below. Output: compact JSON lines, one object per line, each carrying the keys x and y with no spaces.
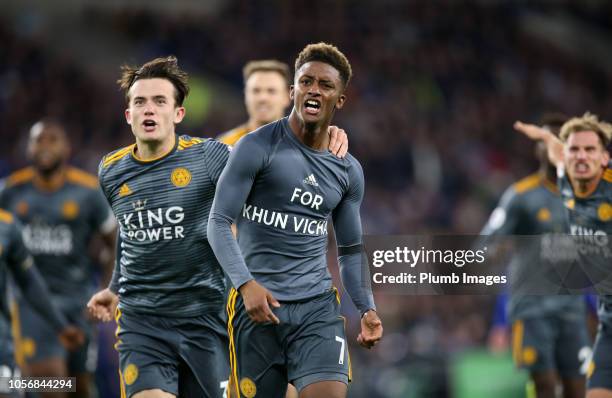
{"x":252,"y":125}
{"x":315,"y":137}
{"x":50,"y":180}
{"x":584,"y":188}
{"x":151,"y":150}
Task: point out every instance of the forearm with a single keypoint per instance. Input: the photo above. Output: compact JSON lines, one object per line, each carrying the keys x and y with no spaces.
{"x":226,"y":249}
{"x":355,"y":277}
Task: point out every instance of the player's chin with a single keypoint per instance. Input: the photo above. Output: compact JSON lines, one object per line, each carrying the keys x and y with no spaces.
{"x":150,"y":137}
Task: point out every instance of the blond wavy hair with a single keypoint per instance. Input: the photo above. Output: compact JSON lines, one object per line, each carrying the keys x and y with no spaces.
{"x":587,"y":122}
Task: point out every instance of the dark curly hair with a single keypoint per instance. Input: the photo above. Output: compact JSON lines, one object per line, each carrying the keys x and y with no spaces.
{"x":328,"y":54}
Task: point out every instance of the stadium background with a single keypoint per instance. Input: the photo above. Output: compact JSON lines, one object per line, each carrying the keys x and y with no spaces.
{"x":436,"y":88}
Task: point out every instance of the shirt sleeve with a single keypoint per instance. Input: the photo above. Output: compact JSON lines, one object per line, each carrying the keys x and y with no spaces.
{"x":31,"y":283}
{"x":216,"y":155}
{"x":113,"y":285}
{"x":233,"y":188}
{"x":102,"y":216}
{"x":505,"y":219}
{"x":101,"y":175}
{"x":354,"y":270}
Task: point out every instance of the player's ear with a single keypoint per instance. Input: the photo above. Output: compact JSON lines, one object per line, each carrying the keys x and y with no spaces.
{"x":291,"y":92}
{"x":605,"y":158}
{"x":179,"y":114}
{"x":341,"y":101}
{"x":128,"y":116}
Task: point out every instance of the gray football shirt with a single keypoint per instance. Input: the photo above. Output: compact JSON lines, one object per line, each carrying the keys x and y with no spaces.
{"x":590,"y":220}
{"x":166,"y":264}
{"x":532,"y":206}
{"x":58,"y":225}
{"x":282,"y":194}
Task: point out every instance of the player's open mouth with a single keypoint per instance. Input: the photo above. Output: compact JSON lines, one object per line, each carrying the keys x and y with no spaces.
{"x":312,"y":107}
{"x":582,"y":167}
{"x":149,"y":125}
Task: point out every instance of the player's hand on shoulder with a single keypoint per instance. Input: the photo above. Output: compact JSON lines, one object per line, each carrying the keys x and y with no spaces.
{"x":338,"y":141}
{"x":72,"y":337}
{"x":371,"y":329}
{"x":102,"y":305}
{"x":257,"y":301}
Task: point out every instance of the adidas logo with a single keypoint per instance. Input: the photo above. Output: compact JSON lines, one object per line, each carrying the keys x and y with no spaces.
{"x":311,"y":180}
{"x":124,"y":190}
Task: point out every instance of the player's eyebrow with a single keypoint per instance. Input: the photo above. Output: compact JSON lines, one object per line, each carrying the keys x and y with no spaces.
{"x":321,"y":80}
{"x":155,"y":97}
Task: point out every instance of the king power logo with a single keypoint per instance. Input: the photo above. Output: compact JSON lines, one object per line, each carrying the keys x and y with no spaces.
{"x":152,"y":225}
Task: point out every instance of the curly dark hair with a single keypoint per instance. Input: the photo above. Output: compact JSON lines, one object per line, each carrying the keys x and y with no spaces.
{"x":329,"y":54}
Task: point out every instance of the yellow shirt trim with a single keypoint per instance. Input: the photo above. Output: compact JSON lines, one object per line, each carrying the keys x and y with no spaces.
{"x":6,"y":217}
{"x":528,"y":183}
{"x":20,"y":176}
{"x":115,"y":156}
{"x":80,"y":177}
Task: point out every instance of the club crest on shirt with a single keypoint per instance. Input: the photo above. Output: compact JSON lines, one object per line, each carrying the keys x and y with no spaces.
{"x":180,"y":177}
{"x":70,"y":209}
{"x":544,"y":214}
{"x":604,"y":212}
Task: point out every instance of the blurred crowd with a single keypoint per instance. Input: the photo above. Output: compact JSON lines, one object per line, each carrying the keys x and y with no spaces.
{"x":436,"y":88}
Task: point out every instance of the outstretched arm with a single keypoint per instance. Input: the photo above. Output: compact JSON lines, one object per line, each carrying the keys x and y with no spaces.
{"x":554,"y":146}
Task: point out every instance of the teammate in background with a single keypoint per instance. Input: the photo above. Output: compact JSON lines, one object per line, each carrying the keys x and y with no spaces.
{"x":266,"y":96}
{"x":549,"y":333}
{"x":292,"y":186}
{"x":585,"y":183}
{"x":172,"y":338}
{"x":61,"y":208}
{"x":15,"y":258}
